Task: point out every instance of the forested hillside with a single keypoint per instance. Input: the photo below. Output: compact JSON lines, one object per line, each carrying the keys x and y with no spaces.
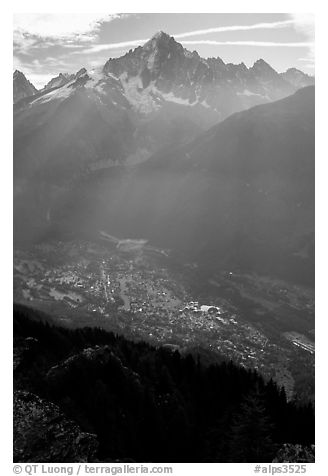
{"x":135,"y":402}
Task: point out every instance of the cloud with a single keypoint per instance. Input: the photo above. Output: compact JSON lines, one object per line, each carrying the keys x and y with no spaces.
{"x":24,"y":43}
{"x":77,"y":34}
{"x":298,"y":44}
{"x":112,"y":46}
{"x":61,"y":26}
{"x":40,"y":72}
{"x":69,"y":30}
{"x":304,"y":23}
{"x":37,"y":79}
{"x":180,"y":36}
{"x":221,"y":29}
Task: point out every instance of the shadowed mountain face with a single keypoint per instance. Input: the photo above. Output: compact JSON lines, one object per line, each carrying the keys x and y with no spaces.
{"x":240,"y":195}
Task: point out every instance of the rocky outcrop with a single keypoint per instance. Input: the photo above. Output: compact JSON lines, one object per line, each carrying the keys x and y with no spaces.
{"x":97,"y":357}
{"x":42,"y":433}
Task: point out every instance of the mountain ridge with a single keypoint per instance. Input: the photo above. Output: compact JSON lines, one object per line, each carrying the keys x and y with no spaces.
{"x":162,"y":58}
{"x":154,"y":96}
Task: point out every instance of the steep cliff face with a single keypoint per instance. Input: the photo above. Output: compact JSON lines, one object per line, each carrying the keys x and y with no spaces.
{"x":42,"y":433}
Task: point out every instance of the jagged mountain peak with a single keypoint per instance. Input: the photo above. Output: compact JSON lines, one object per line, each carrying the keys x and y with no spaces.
{"x":17,"y":74}
{"x":22,"y":87}
{"x":20,"y":76}
{"x":161,"y":55}
{"x":64,"y":78}
{"x":163,"y":45}
{"x":262,"y":69}
{"x":161,"y":39}
{"x":81,"y":72}
{"x":161,"y":35}
{"x":60,"y":80}
{"x":261,"y":64}
{"x":293,"y":70}
{"x":297,"y":78}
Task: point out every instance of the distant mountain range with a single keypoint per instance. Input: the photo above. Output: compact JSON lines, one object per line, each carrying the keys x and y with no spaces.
{"x":162,"y":70}
{"x":156,"y":95}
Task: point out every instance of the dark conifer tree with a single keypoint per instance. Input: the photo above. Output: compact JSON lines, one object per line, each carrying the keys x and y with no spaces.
{"x":251,"y":431}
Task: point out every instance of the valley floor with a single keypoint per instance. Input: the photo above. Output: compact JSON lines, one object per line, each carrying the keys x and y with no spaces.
{"x":259,"y":322}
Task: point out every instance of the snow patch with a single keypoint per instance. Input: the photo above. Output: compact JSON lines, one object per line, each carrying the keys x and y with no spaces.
{"x":140,"y":98}
{"x":60,"y":93}
{"x":248,"y":93}
{"x":96,"y":75}
{"x":151,"y":59}
{"x":110,"y":75}
{"x":172,"y":98}
{"x":204,"y":104}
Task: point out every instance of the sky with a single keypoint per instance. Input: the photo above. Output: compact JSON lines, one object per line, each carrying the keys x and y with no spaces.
{"x":47,"y":44}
